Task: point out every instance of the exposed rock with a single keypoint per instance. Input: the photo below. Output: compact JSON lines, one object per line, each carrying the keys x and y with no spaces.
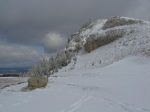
{"x":118,"y":21}
{"x":93,"y":42}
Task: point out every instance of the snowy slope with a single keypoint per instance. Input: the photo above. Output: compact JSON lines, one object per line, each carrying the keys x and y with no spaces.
{"x":135,"y":41}
{"x":120,"y":87}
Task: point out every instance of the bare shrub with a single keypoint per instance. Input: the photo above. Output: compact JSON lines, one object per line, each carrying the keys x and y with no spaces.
{"x":37,"y":82}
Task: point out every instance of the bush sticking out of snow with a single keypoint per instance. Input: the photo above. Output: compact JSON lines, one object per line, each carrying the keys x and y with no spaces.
{"x":118,"y":21}
{"x":51,"y":65}
{"x":37,"y":82}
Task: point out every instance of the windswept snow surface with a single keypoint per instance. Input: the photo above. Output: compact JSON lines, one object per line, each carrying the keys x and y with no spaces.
{"x":120,"y":87}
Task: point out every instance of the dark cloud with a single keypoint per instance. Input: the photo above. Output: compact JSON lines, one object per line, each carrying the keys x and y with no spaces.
{"x":24,"y":20}
{"x":28,"y":22}
{"x":140,"y":9}
{"x":18,"y":55}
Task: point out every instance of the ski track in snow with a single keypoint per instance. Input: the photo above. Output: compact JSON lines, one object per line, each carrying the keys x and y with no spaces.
{"x":125,"y":106}
{"x":76,"y":105}
{"x":113,"y":103}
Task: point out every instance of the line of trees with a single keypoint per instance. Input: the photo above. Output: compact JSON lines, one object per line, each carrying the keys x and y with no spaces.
{"x":51,"y":65}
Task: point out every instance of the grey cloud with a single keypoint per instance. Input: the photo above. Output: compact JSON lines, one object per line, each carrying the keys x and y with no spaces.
{"x":140,"y":10}
{"x":16,"y":55}
{"x":26,"y":21}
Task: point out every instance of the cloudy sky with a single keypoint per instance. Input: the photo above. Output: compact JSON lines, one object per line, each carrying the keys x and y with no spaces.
{"x":31,"y":28}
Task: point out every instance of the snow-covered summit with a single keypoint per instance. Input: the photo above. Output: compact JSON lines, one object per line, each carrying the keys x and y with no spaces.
{"x":110,"y":40}
{"x":101,"y":26}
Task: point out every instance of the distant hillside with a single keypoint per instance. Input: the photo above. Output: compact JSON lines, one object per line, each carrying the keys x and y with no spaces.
{"x":14,"y":70}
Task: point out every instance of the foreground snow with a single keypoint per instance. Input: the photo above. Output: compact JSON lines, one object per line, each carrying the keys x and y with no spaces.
{"x":120,"y":87}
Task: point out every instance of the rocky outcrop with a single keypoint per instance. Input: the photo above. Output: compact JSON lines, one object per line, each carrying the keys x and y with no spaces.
{"x":118,"y":21}
{"x":94,"y":41}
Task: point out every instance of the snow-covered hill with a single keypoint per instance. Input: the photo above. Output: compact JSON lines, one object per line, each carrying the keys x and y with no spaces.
{"x":114,"y":77}
{"x":135,"y":40}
